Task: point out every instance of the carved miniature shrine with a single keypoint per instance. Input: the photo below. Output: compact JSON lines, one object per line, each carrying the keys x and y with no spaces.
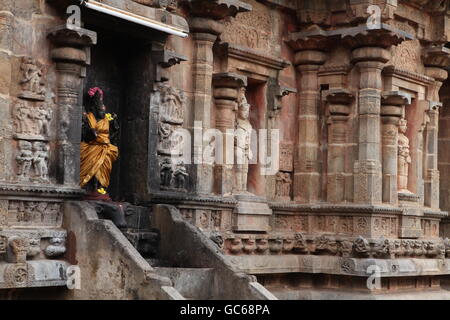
{"x":285,"y":147}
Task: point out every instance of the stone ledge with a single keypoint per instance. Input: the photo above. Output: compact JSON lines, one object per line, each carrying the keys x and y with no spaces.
{"x":55,"y":191}
{"x":344,"y":208}
{"x":39,"y":273}
{"x":340,"y":266}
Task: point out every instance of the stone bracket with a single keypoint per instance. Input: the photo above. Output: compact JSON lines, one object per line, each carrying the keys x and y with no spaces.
{"x":275,"y":93}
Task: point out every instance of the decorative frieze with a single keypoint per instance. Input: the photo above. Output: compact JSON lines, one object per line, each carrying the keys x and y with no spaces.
{"x":359,"y":247}
{"x":30,"y":213}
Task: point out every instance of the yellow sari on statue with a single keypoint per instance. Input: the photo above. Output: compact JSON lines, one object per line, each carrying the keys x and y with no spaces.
{"x":98,"y":155}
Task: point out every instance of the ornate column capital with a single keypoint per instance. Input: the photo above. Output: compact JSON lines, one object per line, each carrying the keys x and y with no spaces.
{"x":229,"y":80}
{"x":339,"y":101}
{"x":392,"y":104}
{"x":72,"y":36}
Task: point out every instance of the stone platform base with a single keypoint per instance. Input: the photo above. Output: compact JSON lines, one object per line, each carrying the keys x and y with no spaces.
{"x":308,"y":294}
{"x":252,"y":213}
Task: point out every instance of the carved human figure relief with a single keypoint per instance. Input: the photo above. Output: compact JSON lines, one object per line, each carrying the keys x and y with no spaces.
{"x":32,"y":122}
{"x":43,"y":116}
{"x":404,"y":158}
{"x":40,"y":160}
{"x":172,"y":105}
{"x":180,"y":174}
{"x":283,"y":185}
{"x":22,"y":117}
{"x":243,"y":152}
{"x":166,"y":173}
{"x":24,"y":159}
{"x":32,"y":79}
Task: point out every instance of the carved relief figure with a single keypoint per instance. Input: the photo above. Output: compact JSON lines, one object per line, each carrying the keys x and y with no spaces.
{"x":43,"y":116}
{"x":283,"y":185}
{"x":23,"y":118}
{"x":97,"y":151}
{"x":404,"y":158}
{"x":180,"y":175}
{"x":242,"y":143}
{"x":166,"y":172}
{"x":171,"y":141}
{"x":30,"y":122}
{"x":40,"y":160}
{"x":32,"y":82}
{"x":24,"y":159}
{"x":172,"y":105}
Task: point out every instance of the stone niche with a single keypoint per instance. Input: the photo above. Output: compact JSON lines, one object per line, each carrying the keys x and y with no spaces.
{"x":130,"y":67}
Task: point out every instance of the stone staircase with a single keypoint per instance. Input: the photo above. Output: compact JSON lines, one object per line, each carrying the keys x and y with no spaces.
{"x":191,"y":283}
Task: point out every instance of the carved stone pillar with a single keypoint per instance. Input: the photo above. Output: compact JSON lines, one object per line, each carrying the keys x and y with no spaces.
{"x":71,"y":55}
{"x":226,"y":86}
{"x":307,"y":176}
{"x":435,"y":59}
{"x":339,"y":104}
{"x":391,"y":111}
{"x":367,"y":169}
{"x":205,"y":27}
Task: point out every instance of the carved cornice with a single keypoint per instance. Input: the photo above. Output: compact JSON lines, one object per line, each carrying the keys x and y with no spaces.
{"x":169,"y":5}
{"x":17,"y":190}
{"x":431,"y":6}
{"x":327,"y":208}
{"x":216,"y":9}
{"x":355,"y":37}
{"x":407,"y":75}
{"x":283,"y":4}
{"x":334,"y":70}
{"x":436,"y":56}
{"x":251,"y":55}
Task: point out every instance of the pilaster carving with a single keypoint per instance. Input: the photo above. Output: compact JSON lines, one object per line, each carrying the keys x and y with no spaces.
{"x":171,"y":145}
{"x":70,"y":56}
{"x":226,"y":91}
{"x":306,"y":176}
{"x":392,"y":104}
{"x":339,"y":107}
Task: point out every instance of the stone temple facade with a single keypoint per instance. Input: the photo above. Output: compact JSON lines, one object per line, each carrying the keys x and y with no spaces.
{"x":339,"y":110}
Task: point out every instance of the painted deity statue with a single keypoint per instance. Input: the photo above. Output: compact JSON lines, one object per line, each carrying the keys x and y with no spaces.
{"x":97,"y":150}
{"x":243,"y":152}
{"x":404,"y":158}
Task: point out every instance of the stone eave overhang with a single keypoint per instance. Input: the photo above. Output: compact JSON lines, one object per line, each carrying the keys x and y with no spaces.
{"x":250,"y":55}
{"x":385,"y":35}
{"x":157,"y":16}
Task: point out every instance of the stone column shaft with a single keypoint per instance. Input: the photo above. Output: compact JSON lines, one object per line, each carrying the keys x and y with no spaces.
{"x":392,"y":106}
{"x":306,"y":171}
{"x":339,"y":108}
{"x":202,"y":69}
{"x":389,"y":158}
{"x":367,"y":186}
{"x":226,"y":86}
{"x":436,"y":60}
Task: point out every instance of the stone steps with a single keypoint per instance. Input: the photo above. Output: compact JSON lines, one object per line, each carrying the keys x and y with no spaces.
{"x":192,"y":283}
